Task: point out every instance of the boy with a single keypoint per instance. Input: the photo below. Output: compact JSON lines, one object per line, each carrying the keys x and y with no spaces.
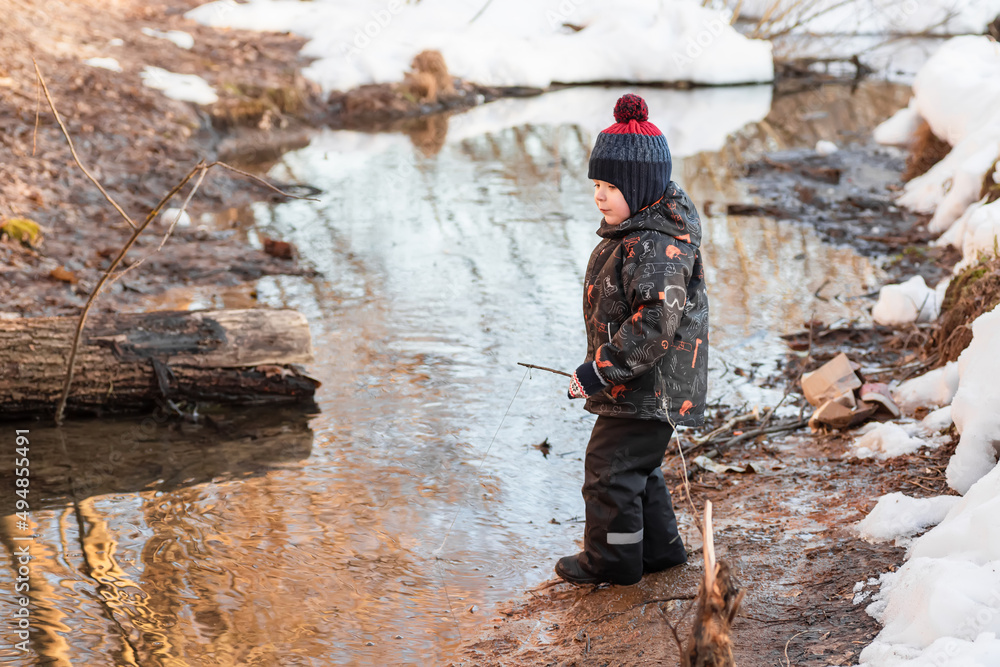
{"x":646,"y":312}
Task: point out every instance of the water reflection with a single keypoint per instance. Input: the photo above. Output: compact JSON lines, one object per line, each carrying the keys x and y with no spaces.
{"x":366,"y":534}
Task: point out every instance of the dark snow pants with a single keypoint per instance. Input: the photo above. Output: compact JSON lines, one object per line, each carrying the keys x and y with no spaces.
{"x":631,"y":525}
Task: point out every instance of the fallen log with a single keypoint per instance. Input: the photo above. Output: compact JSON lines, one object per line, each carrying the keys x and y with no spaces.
{"x":132,"y":362}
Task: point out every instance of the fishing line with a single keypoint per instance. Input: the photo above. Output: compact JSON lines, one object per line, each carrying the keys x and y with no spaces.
{"x":437,"y":552}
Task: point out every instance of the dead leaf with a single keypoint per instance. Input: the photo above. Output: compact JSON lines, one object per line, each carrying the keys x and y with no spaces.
{"x":59,"y":273}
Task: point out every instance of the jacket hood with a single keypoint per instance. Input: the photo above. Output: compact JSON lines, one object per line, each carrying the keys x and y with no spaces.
{"x":673,"y":214}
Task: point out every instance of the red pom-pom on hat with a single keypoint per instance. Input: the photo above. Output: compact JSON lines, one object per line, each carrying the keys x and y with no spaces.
{"x":631,"y":107}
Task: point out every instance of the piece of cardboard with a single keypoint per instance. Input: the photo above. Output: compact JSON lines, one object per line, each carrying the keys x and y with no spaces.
{"x":878,"y":392}
{"x":834,"y":378}
{"x":836,"y":415}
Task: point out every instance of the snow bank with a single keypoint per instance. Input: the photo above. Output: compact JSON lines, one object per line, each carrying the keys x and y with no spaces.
{"x":943,"y":606}
{"x":933,"y":389}
{"x":184,"y":87}
{"x":970,"y":531}
{"x":932,"y":610}
{"x":513,"y":43}
{"x":898,"y":515}
{"x":958,"y":93}
{"x":938,"y":606}
{"x":976,"y":407}
{"x":912,"y":301}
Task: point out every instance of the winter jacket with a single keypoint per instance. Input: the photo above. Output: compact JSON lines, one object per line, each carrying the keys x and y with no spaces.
{"x":646,"y":310}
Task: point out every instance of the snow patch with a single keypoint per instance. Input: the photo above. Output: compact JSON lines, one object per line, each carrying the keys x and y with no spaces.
{"x":935,"y":388}
{"x":901,"y":128}
{"x":938,"y":420}
{"x":885,"y":441}
{"x":184,"y":87}
{"x":104,"y":63}
{"x":898,"y":515}
{"x":977,"y":233}
{"x":824,"y":147}
{"x":178,"y":37}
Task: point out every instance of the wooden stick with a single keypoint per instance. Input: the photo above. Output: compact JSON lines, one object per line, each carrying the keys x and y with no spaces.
{"x":543,"y":368}
{"x":709,"y":549}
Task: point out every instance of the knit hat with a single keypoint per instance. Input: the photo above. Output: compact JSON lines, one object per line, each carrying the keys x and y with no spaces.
{"x":632,"y":155}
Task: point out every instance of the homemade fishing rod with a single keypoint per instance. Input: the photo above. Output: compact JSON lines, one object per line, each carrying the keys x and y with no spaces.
{"x":543,"y":368}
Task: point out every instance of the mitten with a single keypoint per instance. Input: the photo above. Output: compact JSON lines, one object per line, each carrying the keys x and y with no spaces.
{"x":586,"y":382}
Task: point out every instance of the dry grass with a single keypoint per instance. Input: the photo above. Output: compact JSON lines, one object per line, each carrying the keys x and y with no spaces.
{"x":970,"y":294}
{"x":260,"y":106}
{"x":428,"y":79}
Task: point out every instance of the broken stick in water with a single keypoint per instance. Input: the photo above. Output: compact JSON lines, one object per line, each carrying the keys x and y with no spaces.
{"x":718,"y":601}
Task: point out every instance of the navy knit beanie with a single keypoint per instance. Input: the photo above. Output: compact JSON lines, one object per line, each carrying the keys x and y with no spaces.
{"x":632,"y":155}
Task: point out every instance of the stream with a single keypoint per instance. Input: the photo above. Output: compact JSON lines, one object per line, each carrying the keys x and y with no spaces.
{"x":386,"y":527}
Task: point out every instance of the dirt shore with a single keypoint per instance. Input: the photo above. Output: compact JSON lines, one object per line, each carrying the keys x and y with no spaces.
{"x":138,"y":143}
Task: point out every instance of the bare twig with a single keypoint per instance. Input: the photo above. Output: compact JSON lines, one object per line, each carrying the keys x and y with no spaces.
{"x":673,"y":631}
{"x":612,"y":614}
{"x":71,"y":362}
{"x":777,"y":428}
{"x":788,"y":662}
{"x":543,"y":368}
{"x":170,"y":230}
{"x":72,"y":149}
{"x":257,"y":179}
{"x":38,"y":113}
{"x":747,"y":416}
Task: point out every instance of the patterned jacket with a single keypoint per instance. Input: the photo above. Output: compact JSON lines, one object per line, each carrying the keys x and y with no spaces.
{"x":646,"y":310}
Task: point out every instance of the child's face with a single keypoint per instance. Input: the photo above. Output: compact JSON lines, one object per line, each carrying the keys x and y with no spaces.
{"x":611,"y":202}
